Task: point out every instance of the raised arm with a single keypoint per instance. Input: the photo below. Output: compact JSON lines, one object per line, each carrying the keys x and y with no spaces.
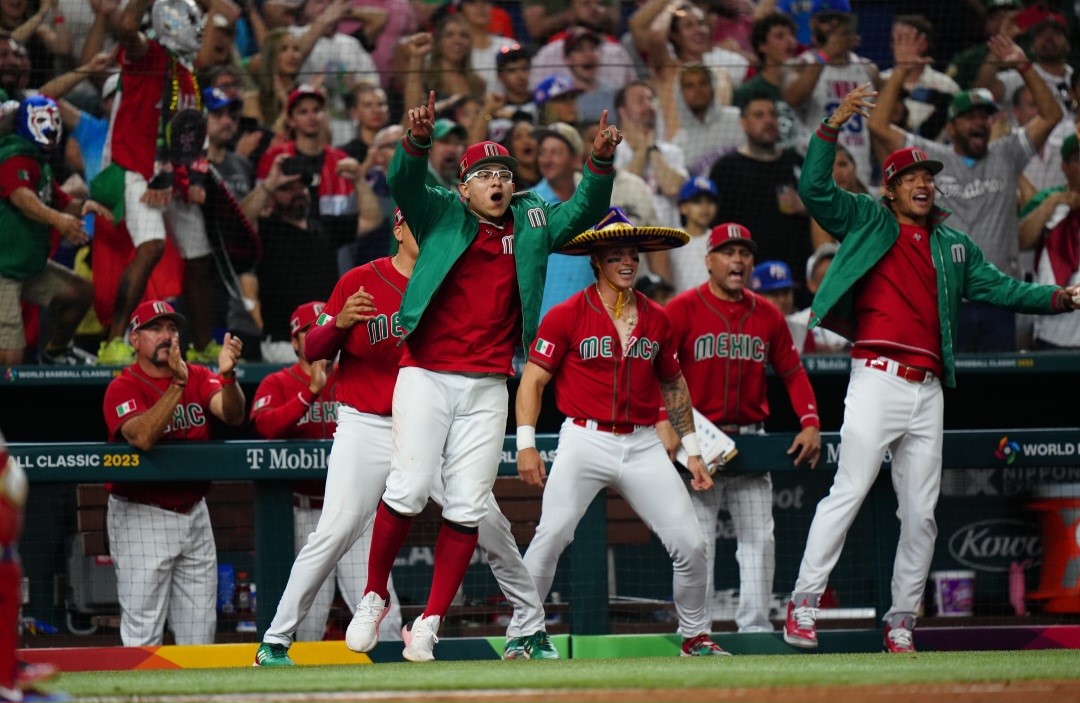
{"x":144,"y":431}
{"x":887,"y":136}
{"x":228,"y":405}
{"x":1048,"y":109}
{"x":127,"y":29}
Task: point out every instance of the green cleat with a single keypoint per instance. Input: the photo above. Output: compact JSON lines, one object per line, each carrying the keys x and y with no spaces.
{"x":273,"y":654}
{"x":515,"y":649}
{"x":116,"y":352}
{"x":538,"y":646}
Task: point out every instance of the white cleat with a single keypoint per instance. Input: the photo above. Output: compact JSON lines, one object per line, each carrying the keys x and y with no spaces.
{"x":420,"y":641}
{"x":363,"y":632}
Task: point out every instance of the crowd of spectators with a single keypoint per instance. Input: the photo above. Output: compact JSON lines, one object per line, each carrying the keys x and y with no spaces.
{"x":300,"y":102}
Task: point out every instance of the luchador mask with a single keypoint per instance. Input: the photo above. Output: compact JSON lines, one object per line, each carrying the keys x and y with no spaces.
{"x":178,"y":26}
{"x":38,"y":120}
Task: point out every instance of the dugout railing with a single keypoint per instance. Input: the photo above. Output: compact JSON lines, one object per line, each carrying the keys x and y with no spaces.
{"x":994,"y":473}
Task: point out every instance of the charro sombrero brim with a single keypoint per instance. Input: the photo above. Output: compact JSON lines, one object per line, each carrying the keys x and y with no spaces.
{"x":615,"y":228}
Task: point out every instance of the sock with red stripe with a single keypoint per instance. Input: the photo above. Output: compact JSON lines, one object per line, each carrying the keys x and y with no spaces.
{"x":453,"y":552}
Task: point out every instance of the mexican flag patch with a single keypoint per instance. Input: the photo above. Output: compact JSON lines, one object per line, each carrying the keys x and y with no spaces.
{"x":544,"y":347}
{"x":323,"y":319}
{"x":125,"y":408}
{"x":261,"y":402}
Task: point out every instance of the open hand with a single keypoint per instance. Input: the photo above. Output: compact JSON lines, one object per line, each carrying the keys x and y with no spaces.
{"x":857,"y":102}
{"x":359,"y":307}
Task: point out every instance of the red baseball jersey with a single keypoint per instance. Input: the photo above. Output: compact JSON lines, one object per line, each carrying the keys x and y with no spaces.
{"x":134,"y":128}
{"x":595,"y":378}
{"x":131,"y":394}
{"x":724,"y":347}
{"x":284,"y":408}
{"x":474,"y":321}
{"x":370,"y":354}
{"x":10,"y":515}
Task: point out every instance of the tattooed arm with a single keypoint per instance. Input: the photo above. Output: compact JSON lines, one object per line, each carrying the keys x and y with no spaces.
{"x":680,"y":413}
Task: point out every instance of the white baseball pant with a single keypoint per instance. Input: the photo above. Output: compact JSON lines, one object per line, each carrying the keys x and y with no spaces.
{"x":355,"y":476}
{"x":450,"y":425}
{"x":882,"y":412}
{"x":166,"y":570}
{"x":748,"y":499}
{"x":350,"y":576}
{"x":637,"y":465}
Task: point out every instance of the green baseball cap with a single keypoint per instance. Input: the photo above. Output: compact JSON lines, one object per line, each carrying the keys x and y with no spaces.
{"x":1071,"y":145}
{"x":445,"y":127}
{"x":968,"y":100}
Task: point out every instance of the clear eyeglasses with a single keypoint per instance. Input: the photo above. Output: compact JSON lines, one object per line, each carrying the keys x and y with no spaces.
{"x":487,"y":175}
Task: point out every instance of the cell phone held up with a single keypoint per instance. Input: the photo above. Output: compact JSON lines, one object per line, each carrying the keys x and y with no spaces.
{"x":296,"y":166}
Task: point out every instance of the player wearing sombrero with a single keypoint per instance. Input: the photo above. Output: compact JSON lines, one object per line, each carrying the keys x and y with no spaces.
{"x":612,"y":353}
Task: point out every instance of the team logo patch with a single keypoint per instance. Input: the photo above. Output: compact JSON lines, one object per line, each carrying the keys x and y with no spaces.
{"x":544,"y":347}
{"x":125,"y":408}
{"x":261,"y":402}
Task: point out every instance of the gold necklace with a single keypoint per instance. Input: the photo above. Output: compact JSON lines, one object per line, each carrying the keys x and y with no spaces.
{"x":630,"y":319}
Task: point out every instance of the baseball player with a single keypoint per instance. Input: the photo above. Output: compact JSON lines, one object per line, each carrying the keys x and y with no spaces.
{"x":360,"y":458}
{"x":159,"y":533}
{"x":612,"y":353}
{"x":894,"y":289}
{"x":14,"y":685}
{"x":474,"y":296}
{"x":301,"y":401}
{"x":727,"y":383}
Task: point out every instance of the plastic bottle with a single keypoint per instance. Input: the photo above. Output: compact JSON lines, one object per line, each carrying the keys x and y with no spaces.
{"x":226,"y":588}
{"x":1016,"y":586}
{"x":243,"y":593}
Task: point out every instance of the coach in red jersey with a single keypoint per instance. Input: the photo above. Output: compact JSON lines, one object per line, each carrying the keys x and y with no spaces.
{"x":611,"y":352}
{"x":726,"y":336}
{"x":160,"y":536}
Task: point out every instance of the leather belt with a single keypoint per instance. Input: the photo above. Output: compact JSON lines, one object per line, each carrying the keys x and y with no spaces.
{"x":615,"y":428}
{"x":299,"y":500}
{"x":908,"y":373}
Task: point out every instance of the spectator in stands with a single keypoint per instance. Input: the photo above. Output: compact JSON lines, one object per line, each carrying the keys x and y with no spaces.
{"x":14,"y":78}
{"x":803,"y":14}
{"x":581,"y":50}
{"x":698,"y":200}
{"x":401,"y":21}
{"x":757,"y":188}
{"x":157,"y":198}
{"x":561,"y":158}
{"x":1050,"y":222}
{"x":513,"y":85}
{"x":545,"y":18}
{"x":520,"y":141}
{"x":31,"y":203}
{"x":981,"y":178}
{"x":1000,"y":19}
{"x":616,"y":67}
{"x":679,"y":34}
{"x":276,"y":74}
{"x":448,"y":69}
{"x":693,"y":120}
{"x":43,"y":37}
{"x":928,"y":90}
{"x":1048,"y":48}
{"x":370,"y":112}
{"x":646,"y":154}
{"x":160,"y":537}
{"x":556,"y":99}
{"x":486,"y":45}
{"x":339,"y":60}
{"x":773,"y":39}
{"x":302,"y":401}
{"x":447,"y":147}
{"x":87,"y":133}
{"x":830,"y":69}
{"x":819,"y":340}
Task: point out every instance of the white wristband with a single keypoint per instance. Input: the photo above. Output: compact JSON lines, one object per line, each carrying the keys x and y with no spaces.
{"x":526,"y":437}
{"x":691,"y":445}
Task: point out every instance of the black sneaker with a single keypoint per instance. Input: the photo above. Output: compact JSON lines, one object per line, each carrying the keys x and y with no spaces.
{"x":70,"y":355}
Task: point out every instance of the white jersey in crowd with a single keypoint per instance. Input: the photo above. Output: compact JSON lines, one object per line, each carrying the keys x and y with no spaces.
{"x":705,"y":141}
{"x":667,"y":211}
{"x":685,"y":263}
{"x":919,"y":111}
{"x":1059,"y":330}
{"x":483,"y":60}
{"x":342,"y":61}
{"x":832,"y":85}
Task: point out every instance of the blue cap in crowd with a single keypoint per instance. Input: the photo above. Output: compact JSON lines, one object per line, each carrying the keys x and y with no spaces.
{"x":695,"y":187}
{"x":553,"y":87}
{"x":215,"y":99}
{"x":770,"y":275}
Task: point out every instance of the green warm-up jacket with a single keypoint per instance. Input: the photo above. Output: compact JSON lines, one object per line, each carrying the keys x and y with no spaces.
{"x":444,"y":228}
{"x":867,"y":228}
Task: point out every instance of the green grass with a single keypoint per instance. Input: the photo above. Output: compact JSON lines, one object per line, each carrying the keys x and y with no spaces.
{"x":653,"y":672}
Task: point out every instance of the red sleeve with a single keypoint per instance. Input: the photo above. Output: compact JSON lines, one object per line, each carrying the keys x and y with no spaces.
{"x":667,"y":363}
{"x":785,"y":360}
{"x":18,"y":172}
{"x":60,"y":198}
{"x":122,"y":403}
{"x":267,"y":159}
{"x":552,"y":338}
{"x":275,"y":413}
{"x":207,"y":383}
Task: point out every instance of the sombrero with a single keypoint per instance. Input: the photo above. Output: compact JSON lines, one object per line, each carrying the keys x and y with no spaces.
{"x":615,"y":228}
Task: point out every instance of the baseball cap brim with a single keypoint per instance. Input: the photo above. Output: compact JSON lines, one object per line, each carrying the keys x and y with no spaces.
{"x":174,"y":316}
{"x":748,"y":243}
{"x":935,"y":167}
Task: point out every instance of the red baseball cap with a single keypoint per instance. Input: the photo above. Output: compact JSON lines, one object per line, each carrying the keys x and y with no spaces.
{"x":303,"y":91}
{"x":903,"y":160}
{"x":399,"y":218}
{"x":305,"y":316}
{"x":730,"y":233}
{"x":151,"y":310}
{"x":485,"y":153}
